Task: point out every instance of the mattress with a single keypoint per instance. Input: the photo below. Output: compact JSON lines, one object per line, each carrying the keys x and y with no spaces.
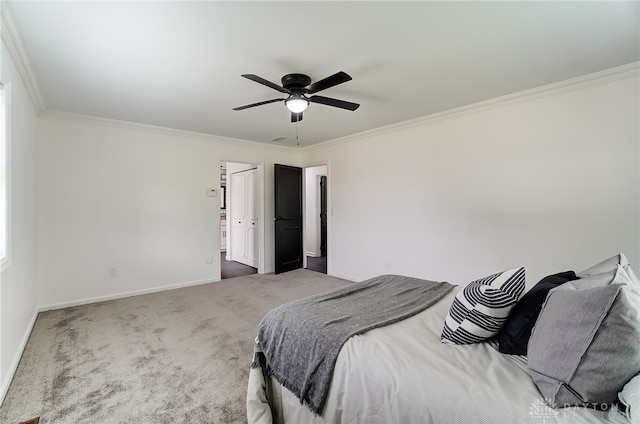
{"x":402,"y":373}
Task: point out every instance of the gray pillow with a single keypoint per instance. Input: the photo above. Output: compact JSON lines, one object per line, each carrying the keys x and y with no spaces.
{"x":611,"y":265}
{"x":630,"y":399}
{"x":607,"y":265}
{"x":584,"y":347}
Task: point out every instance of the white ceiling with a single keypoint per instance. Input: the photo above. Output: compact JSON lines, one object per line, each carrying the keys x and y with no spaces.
{"x":178,"y":64}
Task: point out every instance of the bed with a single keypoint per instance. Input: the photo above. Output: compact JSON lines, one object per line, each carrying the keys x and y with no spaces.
{"x":403,"y":373}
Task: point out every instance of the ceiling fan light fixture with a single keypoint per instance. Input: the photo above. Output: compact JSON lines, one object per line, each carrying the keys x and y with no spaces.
{"x":297,"y":86}
{"x":297,"y":103}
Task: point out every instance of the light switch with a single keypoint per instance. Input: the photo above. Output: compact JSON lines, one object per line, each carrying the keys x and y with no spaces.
{"x":212,"y":192}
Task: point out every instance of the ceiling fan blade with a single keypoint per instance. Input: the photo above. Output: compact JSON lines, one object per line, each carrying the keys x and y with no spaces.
{"x":296,"y":117}
{"x":257,"y":104}
{"x":334,"y":102}
{"x":263,"y":81}
{"x":335,"y":79}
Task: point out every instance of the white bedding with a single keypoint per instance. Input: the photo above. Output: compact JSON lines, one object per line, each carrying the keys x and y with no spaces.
{"x":402,"y":373}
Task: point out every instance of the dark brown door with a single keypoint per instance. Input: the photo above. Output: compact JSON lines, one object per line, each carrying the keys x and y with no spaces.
{"x":288,"y":218}
{"x":323,"y":216}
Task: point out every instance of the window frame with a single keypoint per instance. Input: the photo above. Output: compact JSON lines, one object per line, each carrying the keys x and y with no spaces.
{"x":5,"y":144}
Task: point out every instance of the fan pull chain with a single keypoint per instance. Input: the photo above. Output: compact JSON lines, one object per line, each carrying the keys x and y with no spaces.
{"x":297,"y":132}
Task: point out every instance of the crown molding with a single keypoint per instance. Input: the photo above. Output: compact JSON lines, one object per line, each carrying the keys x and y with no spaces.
{"x":135,"y":126}
{"x":572,"y":84}
{"x":589,"y":80}
{"x":13,"y":41}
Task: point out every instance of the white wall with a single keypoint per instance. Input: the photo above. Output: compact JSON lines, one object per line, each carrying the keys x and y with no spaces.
{"x":18,"y":297}
{"x":312,"y":209}
{"x":133,"y":198}
{"x":550,"y":182}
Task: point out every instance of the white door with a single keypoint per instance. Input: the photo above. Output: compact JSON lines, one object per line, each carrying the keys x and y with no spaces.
{"x":244,"y":217}
{"x":238,"y":216}
{"x":252,"y":215}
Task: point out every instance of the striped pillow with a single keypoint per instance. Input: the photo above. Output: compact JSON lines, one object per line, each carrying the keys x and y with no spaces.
{"x":481,"y":308}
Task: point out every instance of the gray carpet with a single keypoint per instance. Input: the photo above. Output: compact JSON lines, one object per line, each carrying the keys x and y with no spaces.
{"x":318,"y":264}
{"x":230,"y":269}
{"x":178,"y":356}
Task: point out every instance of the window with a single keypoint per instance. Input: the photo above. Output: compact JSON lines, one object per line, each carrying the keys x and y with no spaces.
{"x":3,"y":177}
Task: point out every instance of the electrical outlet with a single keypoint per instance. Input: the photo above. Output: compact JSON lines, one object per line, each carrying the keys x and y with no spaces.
{"x":113,"y":272}
{"x":210,"y":260}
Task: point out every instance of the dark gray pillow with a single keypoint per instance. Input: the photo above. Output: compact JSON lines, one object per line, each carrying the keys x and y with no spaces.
{"x":584,"y":347}
{"x":514,"y":335}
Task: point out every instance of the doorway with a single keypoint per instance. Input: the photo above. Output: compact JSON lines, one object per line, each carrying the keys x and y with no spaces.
{"x":288,"y":218}
{"x":240,"y":219}
{"x":315,"y":215}
{"x":301,"y":220}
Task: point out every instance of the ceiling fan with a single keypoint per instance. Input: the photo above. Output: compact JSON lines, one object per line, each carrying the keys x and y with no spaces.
{"x":298,"y":86}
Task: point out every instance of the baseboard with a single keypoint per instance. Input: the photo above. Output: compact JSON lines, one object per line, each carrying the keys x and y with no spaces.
{"x":13,"y":367}
{"x":122,"y":295}
{"x":345,"y":277}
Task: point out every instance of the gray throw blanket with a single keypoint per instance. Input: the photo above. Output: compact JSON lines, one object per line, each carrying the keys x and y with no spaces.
{"x":299,"y":342}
